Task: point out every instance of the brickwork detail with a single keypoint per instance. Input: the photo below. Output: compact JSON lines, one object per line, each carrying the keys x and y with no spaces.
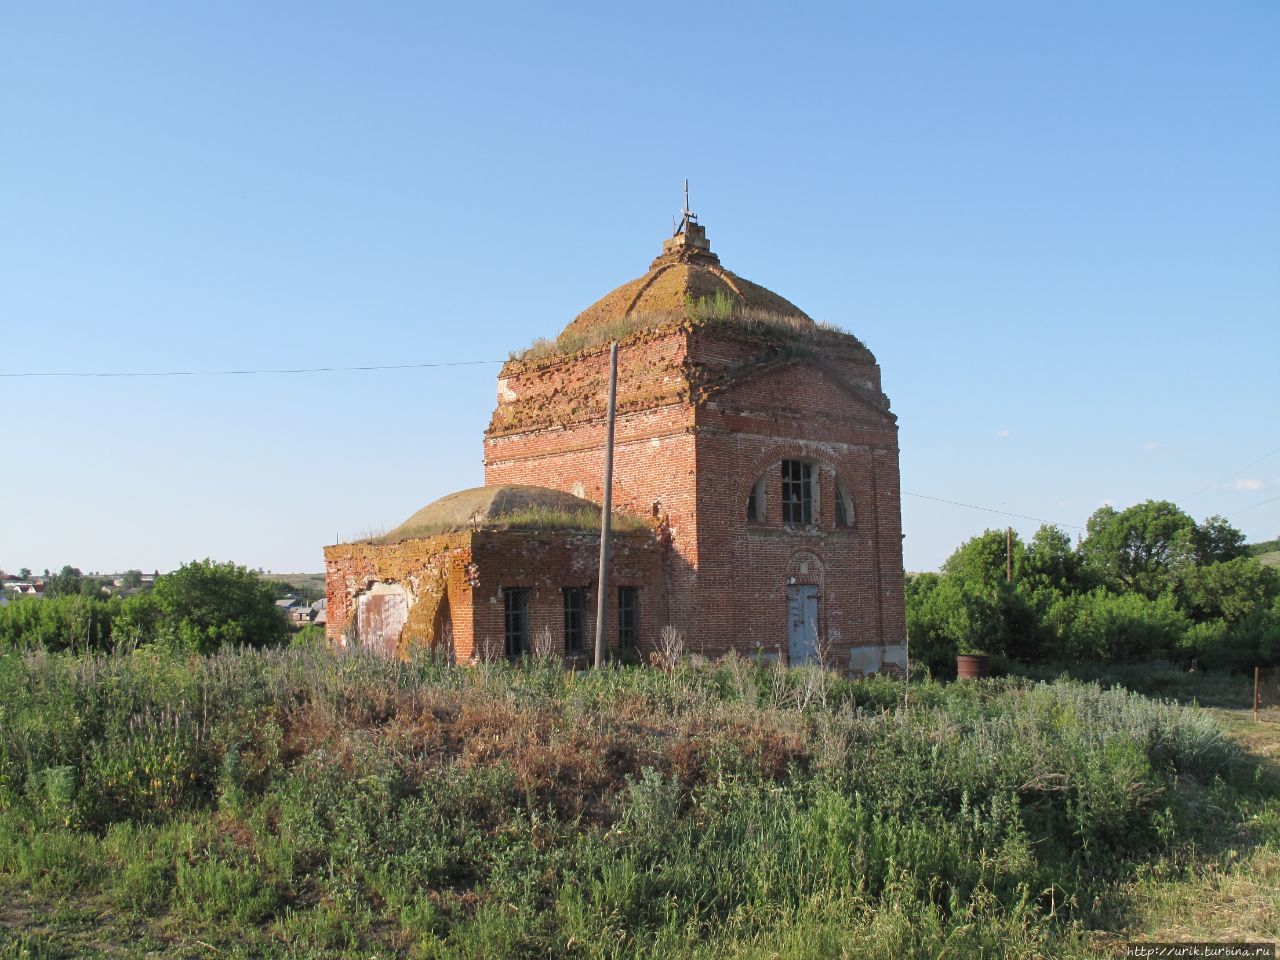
{"x":734,"y":404}
{"x":461,"y":576}
{"x":706,"y":408}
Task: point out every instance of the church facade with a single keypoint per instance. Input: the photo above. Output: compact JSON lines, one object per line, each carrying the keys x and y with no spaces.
{"x":755,"y":472}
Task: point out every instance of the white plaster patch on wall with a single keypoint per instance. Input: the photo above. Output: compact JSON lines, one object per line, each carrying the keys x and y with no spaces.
{"x":895,"y":654}
{"x":505,"y":393}
{"x":865,"y":660}
{"x":381,"y":613}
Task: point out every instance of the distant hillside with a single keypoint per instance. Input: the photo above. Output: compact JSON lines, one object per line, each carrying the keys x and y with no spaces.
{"x":310,"y":586}
{"x":1267,"y":552}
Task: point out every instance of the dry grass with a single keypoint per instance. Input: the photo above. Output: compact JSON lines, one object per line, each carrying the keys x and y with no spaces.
{"x":702,"y":812}
{"x":708,"y":311}
{"x":1228,"y":894}
{"x":531,"y":518}
{"x":1238,"y":900}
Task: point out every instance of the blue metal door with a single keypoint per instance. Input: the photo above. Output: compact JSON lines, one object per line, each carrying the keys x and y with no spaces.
{"x":802,"y":622}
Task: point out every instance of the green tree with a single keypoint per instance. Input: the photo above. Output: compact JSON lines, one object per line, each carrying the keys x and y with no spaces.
{"x":204,"y":605}
{"x":1217,"y":541}
{"x":139,"y":621}
{"x":93,"y":586}
{"x":980,"y":561}
{"x":131,"y":580}
{"x":1142,"y":548}
{"x":1101,"y":625}
{"x":66,"y":582}
{"x":25,"y":573}
{"x":1052,"y":562}
{"x":927,"y":617}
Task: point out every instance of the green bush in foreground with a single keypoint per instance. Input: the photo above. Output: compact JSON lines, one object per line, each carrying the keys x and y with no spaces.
{"x":293,"y":803}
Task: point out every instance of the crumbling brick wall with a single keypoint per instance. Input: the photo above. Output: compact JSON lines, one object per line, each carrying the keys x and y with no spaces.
{"x":704,"y":410}
{"x":435,"y":573}
{"x":549,"y":429}
{"x":463,"y":574}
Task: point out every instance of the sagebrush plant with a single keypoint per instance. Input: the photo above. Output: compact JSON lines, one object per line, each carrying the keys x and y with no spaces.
{"x":294,"y":802}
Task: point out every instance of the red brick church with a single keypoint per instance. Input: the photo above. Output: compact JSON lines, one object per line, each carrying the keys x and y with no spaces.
{"x":755,"y":488}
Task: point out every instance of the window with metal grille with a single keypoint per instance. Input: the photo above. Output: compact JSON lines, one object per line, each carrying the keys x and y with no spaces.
{"x":797,"y":491}
{"x":573,"y":606}
{"x":628,"y":616}
{"x":515,"y":602}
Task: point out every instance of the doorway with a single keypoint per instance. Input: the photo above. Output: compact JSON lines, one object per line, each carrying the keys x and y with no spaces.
{"x":802,"y":623}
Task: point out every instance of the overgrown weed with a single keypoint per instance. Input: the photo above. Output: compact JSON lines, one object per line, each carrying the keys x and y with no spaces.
{"x":354,"y":803}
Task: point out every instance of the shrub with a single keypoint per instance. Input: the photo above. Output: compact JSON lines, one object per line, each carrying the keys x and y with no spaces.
{"x":204,"y":605}
{"x":72,"y":622}
{"x":300,"y":796}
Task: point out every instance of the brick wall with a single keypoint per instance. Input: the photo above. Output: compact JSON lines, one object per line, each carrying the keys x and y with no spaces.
{"x":462,"y":574}
{"x":436,"y":572}
{"x":546,"y":563}
{"x":703,"y":411}
{"x":560,"y":403}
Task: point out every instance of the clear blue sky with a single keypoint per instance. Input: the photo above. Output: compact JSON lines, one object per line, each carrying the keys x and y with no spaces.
{"x":1056,"y":225}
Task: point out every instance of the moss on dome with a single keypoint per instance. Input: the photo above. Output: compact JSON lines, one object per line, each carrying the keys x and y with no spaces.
{"x":505,"y":507}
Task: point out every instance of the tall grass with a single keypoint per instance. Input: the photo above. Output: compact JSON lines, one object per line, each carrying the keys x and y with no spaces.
{"x":295,"y":802}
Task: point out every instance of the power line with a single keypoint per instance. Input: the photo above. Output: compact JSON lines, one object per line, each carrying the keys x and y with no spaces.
{"x":1215,"y":483}
{"x":287,"y":371}
{"x":233,"y":373}
{"x":1263,"y":503}
{"x":1003,"y":513}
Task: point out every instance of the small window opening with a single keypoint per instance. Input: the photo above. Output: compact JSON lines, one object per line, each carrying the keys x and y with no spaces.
{"x":755,"y":502}
{"x":844,"y":508}
{"x":797,"y":491}
{"x":515,"y":603}
{"x":573,"y":629}
{"x":628,"y":617}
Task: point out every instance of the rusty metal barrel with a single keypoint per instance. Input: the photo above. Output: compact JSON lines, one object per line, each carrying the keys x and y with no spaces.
{"x":972,"y":666}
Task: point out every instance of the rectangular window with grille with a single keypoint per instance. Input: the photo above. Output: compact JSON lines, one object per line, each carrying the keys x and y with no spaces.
{"x":573,"y":630}
{"x":515,"y":604}
{"x":797,"y":491}
{"x":628,"y":616}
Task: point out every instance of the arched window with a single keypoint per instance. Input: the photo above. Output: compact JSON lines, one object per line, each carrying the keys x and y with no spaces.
{"x":844,"y":506}
{"x":756,"y":512}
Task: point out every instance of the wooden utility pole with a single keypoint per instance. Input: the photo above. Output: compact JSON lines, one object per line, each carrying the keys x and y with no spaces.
{"x":1008,"y":554}
{"x":606,"y":513}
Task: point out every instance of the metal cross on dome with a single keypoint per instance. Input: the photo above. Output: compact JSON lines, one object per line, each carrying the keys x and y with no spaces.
{"x":687,"y":216}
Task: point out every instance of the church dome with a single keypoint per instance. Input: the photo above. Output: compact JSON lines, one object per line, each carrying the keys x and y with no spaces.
{"x":499,"y":506}
{"x":686,"y":273}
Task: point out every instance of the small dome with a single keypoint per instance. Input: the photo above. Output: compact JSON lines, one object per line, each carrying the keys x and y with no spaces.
{"x":507,"y":505}
{"x":687,"y":271}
